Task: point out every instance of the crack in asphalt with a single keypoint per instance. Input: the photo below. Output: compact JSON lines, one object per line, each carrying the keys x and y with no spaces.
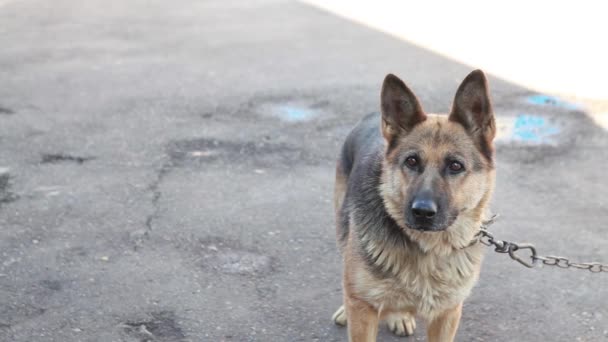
{"x":182,"y":153}
{"x":6,"y":196}
{"x":157,"y":194}
{"x":138,"y":236}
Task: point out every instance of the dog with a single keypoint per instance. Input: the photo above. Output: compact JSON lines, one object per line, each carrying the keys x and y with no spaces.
{"x":411,"y":193}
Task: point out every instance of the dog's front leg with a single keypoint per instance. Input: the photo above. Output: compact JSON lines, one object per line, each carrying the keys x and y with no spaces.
{"x":443,"y":327}
{"x":362,"y":320}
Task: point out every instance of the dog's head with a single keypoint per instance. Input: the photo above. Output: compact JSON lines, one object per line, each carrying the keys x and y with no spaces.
{"x":438,"y":170}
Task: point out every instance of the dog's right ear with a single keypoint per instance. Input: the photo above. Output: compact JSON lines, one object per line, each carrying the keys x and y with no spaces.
{"x":401,"y":110}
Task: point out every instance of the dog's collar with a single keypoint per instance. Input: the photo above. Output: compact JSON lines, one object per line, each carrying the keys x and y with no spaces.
{"x":476,"y":238}
{"x":480,"y":233}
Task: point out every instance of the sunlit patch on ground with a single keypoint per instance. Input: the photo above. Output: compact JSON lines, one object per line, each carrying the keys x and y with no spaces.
{"x":552,"y":57}
{"x":601,"y":119}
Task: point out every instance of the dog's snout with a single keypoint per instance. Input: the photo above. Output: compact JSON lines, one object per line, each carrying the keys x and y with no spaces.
{"x":424,"y":208}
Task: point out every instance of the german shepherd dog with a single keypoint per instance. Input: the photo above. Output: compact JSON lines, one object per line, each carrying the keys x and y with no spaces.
{"x":410,"y":196}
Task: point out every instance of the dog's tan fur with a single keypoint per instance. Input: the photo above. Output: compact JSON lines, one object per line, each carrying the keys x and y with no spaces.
{"x":433,"y":273}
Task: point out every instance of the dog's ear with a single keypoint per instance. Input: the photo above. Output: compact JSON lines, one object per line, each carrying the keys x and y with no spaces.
{"x":401,"y":110}
{"x":472,"y":109}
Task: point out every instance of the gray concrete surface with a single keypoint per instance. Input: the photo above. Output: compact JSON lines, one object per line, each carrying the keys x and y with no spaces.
{"x":166,"y":175}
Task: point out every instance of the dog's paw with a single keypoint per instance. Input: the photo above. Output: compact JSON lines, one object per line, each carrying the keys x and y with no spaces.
{"x":402,"y":324}
{"x":339,"y":316}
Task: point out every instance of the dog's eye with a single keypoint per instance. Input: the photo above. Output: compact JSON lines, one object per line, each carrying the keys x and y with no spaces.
{"x":456,"y":166}
{"x":411,"y":162}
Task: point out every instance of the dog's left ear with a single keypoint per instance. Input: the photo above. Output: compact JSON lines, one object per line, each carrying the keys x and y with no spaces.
{"x":472,"y":109}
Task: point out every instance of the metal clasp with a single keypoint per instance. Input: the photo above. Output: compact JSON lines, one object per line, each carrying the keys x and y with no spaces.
{"x":513,"y":248}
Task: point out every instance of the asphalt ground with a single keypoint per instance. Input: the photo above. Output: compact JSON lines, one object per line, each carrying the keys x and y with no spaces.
{"x":166,"y":174}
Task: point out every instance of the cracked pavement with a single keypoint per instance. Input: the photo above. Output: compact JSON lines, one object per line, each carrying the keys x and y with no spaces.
{"x":166,"y":175}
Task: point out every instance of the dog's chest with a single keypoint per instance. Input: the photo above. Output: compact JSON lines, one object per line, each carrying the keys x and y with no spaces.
{"x":426,"y":285}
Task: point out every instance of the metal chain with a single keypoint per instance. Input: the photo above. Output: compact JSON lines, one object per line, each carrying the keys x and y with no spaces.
{"x":502,"y":246}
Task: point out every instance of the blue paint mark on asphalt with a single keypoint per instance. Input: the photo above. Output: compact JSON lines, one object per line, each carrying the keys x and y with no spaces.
{"x":546,"y":100}
{"x":533,"y":129}
{"x":295,"y":114}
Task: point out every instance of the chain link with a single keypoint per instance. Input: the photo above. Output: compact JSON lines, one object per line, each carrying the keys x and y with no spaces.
{"x":512,"y":248}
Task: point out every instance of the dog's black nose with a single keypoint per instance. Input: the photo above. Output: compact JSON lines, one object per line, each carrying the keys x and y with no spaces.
{"x":424,"y":208}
